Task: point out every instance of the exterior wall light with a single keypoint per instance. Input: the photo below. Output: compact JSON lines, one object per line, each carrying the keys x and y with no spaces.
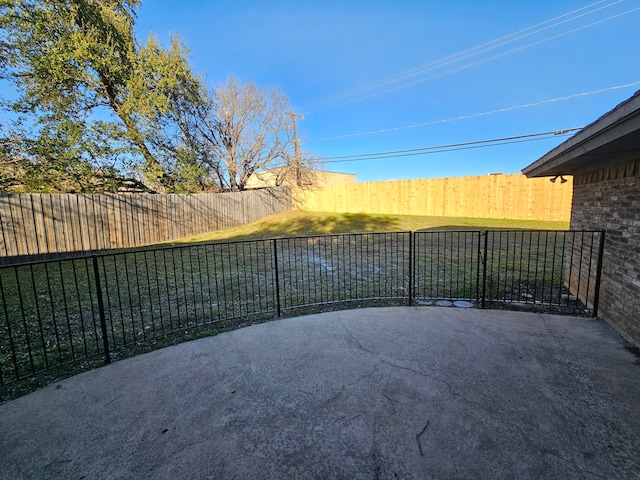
{"x":562,"y":179}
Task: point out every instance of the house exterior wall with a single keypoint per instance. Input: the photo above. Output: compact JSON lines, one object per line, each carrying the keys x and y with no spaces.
{"x":609,"y":198}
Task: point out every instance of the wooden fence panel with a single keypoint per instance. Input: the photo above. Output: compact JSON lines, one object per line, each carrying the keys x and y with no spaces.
{"x":40,"y":226}
{"x":493,"y":196}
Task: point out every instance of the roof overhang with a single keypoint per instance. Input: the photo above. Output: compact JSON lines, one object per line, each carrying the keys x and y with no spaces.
{"x":612,"y":138}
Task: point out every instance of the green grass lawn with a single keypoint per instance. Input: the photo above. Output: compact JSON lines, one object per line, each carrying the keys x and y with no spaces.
{"x":299,"y":223}
{"x":202,"y":285}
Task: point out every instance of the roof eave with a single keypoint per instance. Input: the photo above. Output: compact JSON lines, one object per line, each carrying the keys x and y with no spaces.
{"x":614,"y":124}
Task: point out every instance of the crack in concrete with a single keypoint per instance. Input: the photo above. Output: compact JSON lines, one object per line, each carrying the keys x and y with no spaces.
{"x":470,"y":402}
{"x":391,"y":401}
{"x":336,"y":396}
{"x":451,"y":389}
{"x":419,"y":435}
{"x":113,"y":400}
{"x":409,"y":369}
{"x":191,"y":444}
{"x":57,"y":460}
{"x":346,"y":421}
{"x":463,"y":331}
{"x":354,"y":338}
{"x":354,"y":382}
{"x":338,"y":419}
{"x":377,"y":355}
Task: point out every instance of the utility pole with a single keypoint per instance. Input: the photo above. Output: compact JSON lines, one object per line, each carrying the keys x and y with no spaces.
{"x":296,"y":145}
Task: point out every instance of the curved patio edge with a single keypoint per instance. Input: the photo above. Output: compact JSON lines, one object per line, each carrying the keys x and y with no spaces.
{"x":389,"y":392}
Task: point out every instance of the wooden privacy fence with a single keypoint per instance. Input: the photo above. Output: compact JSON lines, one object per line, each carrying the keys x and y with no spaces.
{"x":514,"y":197}
{"x":37,"y":226}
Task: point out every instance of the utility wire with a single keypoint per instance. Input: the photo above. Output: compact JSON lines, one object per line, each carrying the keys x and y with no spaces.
{"x":449,"y":60}
{"x":464,"y":67}
{"x":474,"y":115}
{"x":472,"y":147}
{"x":451,"y":147}
{"x":459,"y":56}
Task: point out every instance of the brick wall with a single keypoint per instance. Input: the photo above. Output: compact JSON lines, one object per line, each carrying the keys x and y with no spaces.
{"x":581,"y":265}
{"x":609,"y":198}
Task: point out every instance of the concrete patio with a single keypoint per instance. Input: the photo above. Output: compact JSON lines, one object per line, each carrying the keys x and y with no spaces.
{"x":387,"y":393}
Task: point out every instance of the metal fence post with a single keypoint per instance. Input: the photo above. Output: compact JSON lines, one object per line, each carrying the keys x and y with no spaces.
{"x":103,"y":320}
{"x":479,"y":251}
{"x":411,"y":268}
{"x":596,"y":293}
{"x":484,"y":269}
{"x":275,"y":261}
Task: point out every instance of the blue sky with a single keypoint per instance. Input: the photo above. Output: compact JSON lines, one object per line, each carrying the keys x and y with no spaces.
{"x":315,"y":50}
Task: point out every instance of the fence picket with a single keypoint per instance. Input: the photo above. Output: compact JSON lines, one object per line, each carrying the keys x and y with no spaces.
{"x":39,"y":226}
{"x":492,"y":196}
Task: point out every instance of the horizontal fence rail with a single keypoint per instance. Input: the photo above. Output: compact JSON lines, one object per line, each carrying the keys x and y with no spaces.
{"x":64,"y":312}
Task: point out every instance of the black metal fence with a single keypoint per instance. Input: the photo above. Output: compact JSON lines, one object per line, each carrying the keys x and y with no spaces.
{"x":58,"y":313}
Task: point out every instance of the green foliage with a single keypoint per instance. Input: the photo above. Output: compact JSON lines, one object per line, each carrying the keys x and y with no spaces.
{"x":76,"y":61}
{"x":169,"y":103}
{"x":97,"y":109}
{"x":63,"y":158}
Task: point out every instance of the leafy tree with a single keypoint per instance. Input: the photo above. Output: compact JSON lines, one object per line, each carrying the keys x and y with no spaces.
{"x":57,"y":162}
{"x":84,"y":79}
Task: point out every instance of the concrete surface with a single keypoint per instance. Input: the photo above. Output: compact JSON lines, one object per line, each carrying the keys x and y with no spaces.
{"x":386,"y":393}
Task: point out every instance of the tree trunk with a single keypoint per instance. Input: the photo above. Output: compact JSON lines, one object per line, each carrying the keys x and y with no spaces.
{"x":134,"y":134}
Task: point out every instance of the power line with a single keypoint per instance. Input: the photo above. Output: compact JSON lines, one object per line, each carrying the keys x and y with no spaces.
{"x":451,"y":147}
{"x":443,"y":150}
{"x":525,"y":135}
{"x":482,"y":114}
{"x":452,"y":59}
{"x":464,"y":67}
{"x":457,"y":56}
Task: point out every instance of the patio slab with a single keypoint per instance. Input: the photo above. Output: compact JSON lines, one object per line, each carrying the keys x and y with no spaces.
{"x":385,"y":393}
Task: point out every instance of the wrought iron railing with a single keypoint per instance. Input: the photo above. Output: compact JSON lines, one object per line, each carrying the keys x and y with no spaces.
{"x":58,"y":313}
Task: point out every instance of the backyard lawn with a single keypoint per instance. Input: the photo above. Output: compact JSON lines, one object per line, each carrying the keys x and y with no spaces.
{"x":50,"y":312}
{"x":299,"y":223}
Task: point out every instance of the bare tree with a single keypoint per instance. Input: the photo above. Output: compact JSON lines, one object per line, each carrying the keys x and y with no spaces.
{"x":252,"y":132}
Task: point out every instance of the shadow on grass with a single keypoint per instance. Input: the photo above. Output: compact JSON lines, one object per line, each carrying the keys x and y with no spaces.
{"x":493,"y":224}
{"x":308,"y":225}
{"x":467,"y":227}
{"x":297,"y":223}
